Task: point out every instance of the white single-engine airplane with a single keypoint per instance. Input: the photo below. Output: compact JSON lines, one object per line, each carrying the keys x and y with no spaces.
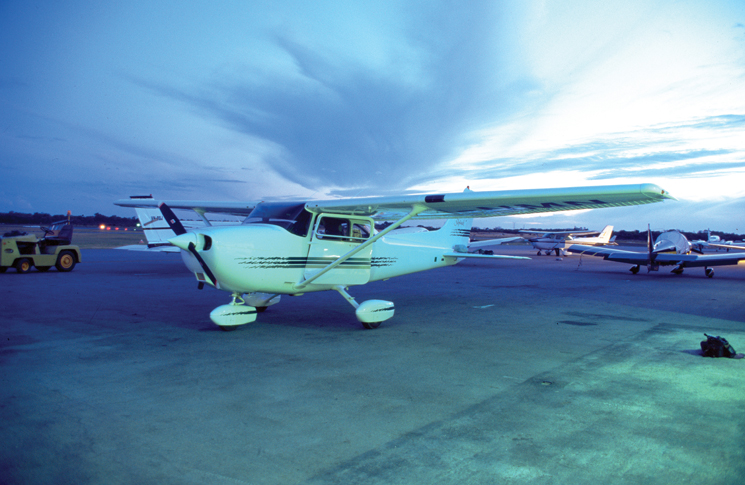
{"x":292,"y":248}
{"x":671,"y":248}
{"x":557,"y":240}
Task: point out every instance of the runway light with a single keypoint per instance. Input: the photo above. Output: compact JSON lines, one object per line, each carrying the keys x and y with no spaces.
{"x":102,"y":226}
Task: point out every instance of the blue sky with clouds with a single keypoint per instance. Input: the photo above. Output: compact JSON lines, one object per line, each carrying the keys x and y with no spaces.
{"x":251,"y":100}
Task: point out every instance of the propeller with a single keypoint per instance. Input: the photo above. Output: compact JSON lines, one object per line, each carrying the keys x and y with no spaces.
{"x":185,"y":240}
{"x":173,"y":222}
{"x":207,"y":271}
{"x":650,"y":250}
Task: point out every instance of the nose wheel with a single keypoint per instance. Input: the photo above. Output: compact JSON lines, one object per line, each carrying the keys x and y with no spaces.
{"x":235,"y":313}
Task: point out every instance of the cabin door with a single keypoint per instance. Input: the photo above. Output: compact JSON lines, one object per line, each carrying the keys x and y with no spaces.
{"x":334,"y":236}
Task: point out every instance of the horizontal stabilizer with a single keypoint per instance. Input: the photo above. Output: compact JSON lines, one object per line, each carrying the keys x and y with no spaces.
{"x":483,"y":256}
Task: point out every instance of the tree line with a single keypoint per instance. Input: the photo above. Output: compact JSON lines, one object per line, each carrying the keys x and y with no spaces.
{"x":43,"y":219}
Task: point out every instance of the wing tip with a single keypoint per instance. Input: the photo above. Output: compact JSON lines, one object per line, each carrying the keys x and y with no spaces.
{"x":654,"y":190}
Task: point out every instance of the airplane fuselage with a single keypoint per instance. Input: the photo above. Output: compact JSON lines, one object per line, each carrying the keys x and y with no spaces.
{"x":267,"y":258}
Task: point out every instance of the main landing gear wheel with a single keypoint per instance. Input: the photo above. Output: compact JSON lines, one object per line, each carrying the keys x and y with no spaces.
{"x":370,"y":325}
{"x":65,"y":261}
{"x":709,"y":272}
{"x":634,"y":269}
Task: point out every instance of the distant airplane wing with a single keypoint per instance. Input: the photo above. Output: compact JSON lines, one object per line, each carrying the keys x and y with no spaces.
{"x":563,"y":233}
{"x":720,"y":246}
{"x":151,"y":249}
{"x":493,"y":242}
{"x":709,"y":259}
{"x":642,"y":257}
{"x":198,"y":206}
{"x":471,"y":204}
{"x":621,"y":256}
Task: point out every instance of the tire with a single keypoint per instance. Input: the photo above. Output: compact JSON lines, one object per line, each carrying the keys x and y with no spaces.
{"x":371,"y":325}
{"x":3,"y":269}
{"x":260,"y":309}
{"x":23,"y":265}
{"x":43,"y":268}
{"x":65,"y":261}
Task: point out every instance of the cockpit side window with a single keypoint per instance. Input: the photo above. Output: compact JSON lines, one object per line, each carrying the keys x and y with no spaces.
{"x":343,"y":229}
{"x":292,"y":217}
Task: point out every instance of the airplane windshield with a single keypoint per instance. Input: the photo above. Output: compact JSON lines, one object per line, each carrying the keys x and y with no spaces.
{"x":292,"y":217}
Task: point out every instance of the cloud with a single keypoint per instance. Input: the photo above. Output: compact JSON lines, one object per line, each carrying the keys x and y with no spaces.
{"x":342,"y":123}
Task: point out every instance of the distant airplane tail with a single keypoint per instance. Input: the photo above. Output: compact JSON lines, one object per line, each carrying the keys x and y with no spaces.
{"x":154,"y":226}
{"x":605,"y":234}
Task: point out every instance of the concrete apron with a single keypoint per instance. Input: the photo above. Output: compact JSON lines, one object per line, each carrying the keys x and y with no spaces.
{"x":467,"y":389}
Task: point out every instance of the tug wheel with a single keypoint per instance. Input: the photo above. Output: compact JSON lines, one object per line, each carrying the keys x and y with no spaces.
{"x":23,"y":265}
{"x":65,"y":261}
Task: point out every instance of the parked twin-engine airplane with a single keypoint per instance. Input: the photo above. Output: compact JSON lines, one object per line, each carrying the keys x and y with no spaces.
{"x":292,"y":248}
{"x":671,"y":248}
{"x":557,"y":240}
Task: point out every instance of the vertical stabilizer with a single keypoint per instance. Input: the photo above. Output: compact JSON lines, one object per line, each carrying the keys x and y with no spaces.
{"x":154,"y":226}
{"x":457,"y":232}
{"x":605,"y":235}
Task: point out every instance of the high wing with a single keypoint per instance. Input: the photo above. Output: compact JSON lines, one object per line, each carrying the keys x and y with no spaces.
{"x":682,"y":260}
{"x":450,"y":206}
{"x":496,"y":203}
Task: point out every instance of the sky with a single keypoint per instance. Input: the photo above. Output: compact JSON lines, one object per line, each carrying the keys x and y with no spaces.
{"x":272,"y":100}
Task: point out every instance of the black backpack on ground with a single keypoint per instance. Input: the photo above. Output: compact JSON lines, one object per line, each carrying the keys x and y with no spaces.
{"x":717,"y":347}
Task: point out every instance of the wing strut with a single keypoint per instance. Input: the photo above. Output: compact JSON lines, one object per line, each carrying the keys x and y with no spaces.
{"x":417,"y":209}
